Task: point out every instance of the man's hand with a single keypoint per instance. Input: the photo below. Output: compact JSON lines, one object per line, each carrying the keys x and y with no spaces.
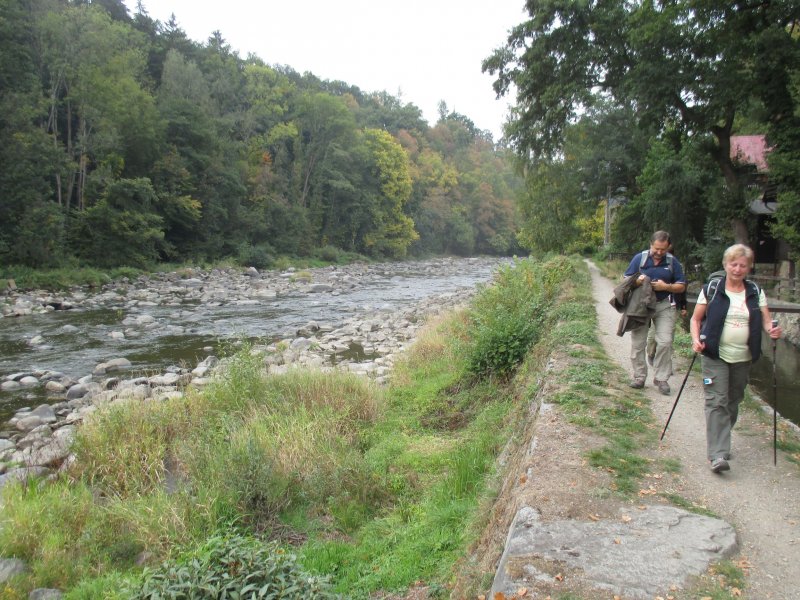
{"x":660,"y":286}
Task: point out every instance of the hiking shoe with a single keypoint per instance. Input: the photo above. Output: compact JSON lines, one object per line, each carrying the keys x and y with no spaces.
{"x":662,"y":386}
{"x":637,"y":384}
{"x":720,"y":464}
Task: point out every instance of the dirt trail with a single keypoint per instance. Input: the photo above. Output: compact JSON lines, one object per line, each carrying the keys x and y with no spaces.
{"x":760,"y":500}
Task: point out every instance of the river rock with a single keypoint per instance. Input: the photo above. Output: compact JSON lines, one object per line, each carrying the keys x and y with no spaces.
{"x":23,"y":474}
{"x":55,"y":387}
{"x":79,"y":390}
{"x":52,"y":453}
{"x":300,"y":344}
{"x":29,"y":381}
{"x":10,"y":567}
{"x":49,"y":375}
{"x":45,"y":412}
{"x":37,"y":436}
{"x":167,"y":379}
{"x":45,"y":594}
{"x":10,"y":386}
{"x":133,"y":392}
{"x":200,"y":371}
{"x":22,"y":307}
{"x":28,"y":423}
{"x":115,"y":364}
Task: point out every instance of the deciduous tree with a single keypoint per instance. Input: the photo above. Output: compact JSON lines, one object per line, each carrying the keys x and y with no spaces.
{"x":695,"y":64}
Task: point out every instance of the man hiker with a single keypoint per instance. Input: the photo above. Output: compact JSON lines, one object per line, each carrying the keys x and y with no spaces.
{"x":681,"y":304}
{"x":666,"y":277}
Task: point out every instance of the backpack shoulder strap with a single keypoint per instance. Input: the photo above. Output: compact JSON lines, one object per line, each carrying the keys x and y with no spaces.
{"x":710,"y":289}
{"x":646,"y":253}
{"x":753,"y":285}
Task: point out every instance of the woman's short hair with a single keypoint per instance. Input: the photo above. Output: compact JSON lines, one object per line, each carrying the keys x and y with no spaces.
{"x":736,"y":251}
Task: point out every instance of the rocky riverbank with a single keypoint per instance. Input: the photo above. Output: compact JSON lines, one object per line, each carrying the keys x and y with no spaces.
{"x":36,"y":440}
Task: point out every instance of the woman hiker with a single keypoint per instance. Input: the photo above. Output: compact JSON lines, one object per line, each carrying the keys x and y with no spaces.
{"x":730,"y":313}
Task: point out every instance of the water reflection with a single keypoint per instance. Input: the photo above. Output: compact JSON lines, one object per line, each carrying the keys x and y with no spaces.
{"x":787,"y":365}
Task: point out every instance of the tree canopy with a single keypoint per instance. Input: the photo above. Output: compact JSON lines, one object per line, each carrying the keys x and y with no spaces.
{"x":695,"y":72}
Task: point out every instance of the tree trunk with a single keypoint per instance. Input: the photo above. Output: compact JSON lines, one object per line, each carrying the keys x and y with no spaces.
{"x":83,"y":164}
{"x":71,"y":183}
{"x":52,"y":128}
{"x":722,"y":156}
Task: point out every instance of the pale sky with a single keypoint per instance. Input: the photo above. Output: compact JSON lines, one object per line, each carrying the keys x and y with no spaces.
{"x":423,"y":50}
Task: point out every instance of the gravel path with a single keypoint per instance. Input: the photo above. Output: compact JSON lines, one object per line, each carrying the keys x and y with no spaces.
{"x":760,"y":500}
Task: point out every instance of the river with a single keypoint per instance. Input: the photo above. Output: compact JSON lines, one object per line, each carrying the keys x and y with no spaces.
{"x":184,"y":332}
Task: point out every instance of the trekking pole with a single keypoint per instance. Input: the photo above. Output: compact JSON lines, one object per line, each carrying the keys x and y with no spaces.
{"x":774,"y":400}
{"x":680,"y":391}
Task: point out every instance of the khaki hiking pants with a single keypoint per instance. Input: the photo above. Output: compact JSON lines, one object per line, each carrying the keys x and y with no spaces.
{"x":723,"y":386}
{"x":664,"y":324}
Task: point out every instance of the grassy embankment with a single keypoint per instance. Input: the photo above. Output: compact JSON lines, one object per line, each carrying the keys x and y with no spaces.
{"x":27,"y":278}
{"x":375,"y":489}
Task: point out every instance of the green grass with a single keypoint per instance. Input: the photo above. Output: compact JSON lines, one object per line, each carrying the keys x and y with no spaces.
{"x":725,"y":581}
{"x":681,"y":502}
{"x":64,"y":278}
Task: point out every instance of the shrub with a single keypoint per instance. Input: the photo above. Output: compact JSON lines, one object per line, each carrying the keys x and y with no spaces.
{"x":232,"y":567}
{"x":328,"y":253}
{"x":507,"y":317}
{"x":261,"y":256}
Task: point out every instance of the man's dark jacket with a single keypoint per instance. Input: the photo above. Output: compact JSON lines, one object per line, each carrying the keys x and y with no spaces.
{"x":636,"y":303}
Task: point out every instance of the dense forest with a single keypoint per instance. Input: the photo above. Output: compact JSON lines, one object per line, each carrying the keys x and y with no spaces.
{"x":126,"y":143}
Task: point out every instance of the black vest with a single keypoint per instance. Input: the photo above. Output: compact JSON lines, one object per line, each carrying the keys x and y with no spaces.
{"x":717,"y":310}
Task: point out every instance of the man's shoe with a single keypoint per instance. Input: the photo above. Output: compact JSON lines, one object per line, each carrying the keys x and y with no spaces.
{"x":637,"y":384}
{"x":720,"y":464}
{"x":662,"y":386}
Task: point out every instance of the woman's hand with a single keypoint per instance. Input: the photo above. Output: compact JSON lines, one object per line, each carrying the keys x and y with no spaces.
{"x":775,"y":332}
{"x":698,"y":346}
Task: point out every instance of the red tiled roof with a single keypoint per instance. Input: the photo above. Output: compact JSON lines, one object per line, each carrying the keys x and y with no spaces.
{"x":750,"y":149}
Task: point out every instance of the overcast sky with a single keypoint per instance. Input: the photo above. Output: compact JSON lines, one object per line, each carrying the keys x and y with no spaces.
{"x":423,"y":50}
